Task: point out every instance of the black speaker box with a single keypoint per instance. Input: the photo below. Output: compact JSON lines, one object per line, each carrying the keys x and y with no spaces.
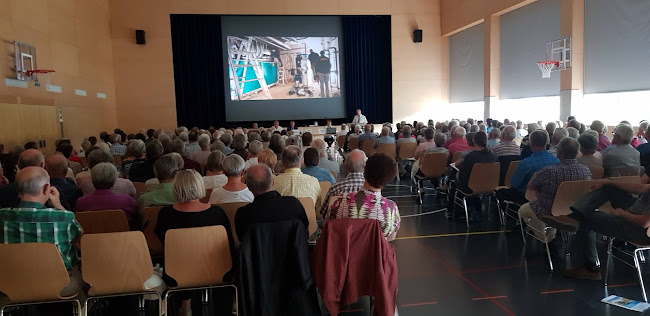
{"x":139,"y":37}
{"x":417,"y":36}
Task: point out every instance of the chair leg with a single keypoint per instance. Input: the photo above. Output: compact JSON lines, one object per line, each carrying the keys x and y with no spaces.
{"x":205,"y":296}
{"x":502,"y":218}
{"x":548,"y":253}
{"x":419,"y":189}
{"x":638,"y":270}
{"x":466,"y":211}
{"x":523,"y":234}
{"x":141,"y":302}
{"x":609,"y":258}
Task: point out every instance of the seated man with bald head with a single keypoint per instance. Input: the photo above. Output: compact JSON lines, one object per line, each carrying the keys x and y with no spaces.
{"x":57,"y":168}
{"x":32,"y":221}
{"x":268,"y":205}
{"x":28,"y":158}
{"x":355,"y":162}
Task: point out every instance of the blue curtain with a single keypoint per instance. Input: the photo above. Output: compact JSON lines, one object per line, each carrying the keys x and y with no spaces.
{"x":198,"y":70}
{"x":368,"y":68}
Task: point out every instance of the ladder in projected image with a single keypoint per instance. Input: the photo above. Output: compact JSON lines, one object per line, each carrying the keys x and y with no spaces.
{"x":245,"y":58}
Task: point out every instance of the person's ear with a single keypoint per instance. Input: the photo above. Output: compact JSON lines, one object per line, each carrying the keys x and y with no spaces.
{"x":46,"y":189}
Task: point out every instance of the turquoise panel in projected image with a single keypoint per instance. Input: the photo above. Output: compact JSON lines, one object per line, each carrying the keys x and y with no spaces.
{"x":270,"y":75}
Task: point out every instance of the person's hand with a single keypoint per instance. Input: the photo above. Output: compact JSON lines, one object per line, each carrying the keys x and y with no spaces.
{"x":617,"y":212}
{"x":55,"y":198}
{"x":599,"y":184}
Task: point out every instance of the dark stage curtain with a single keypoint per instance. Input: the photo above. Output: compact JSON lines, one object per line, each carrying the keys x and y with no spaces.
{"x":368,"y":74}
{"x":198,"y":70}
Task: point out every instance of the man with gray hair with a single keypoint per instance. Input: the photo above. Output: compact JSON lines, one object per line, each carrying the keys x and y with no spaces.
{"x":367,"y":135}
{"x":57,"y":168}
{"x":384,"y":137}
{"x":603,"y":141}
{"x":117,"y":149}
{"x":621,"y":155}
{"x":27,"y":222}
{"x":202,"y":156}
{"x":268,"y":205}
{"x":329,"y":165}
{"x":354,"y":164}
{"x":226,"y":139}
{"x":293,"y":182}
{"x":588,"y":147}
{"x":507,"y":146}
{"x":559,"y":134}
{"x":103,"y":176}
{"x":179,"y":147}
{"x":28,"y":158}
{"x":521,"y":132}
{"x":254,"y":148}
{"x":459,"y":143}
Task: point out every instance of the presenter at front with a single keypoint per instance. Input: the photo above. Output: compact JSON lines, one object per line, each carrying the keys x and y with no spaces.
{"x":360,"y":118}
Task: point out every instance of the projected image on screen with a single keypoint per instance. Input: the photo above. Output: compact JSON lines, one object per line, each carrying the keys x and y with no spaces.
{"x":272,"y":68}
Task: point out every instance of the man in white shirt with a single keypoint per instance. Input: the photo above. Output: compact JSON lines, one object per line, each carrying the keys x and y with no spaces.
{"x":360,"y":118}
{"x":276,"y":126}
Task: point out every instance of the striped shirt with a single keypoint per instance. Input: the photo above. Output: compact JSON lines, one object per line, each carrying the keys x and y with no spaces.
{"x":366,"y":204}
{"x":352,"y":183}
{"x":506,"y":149}
{"x":33,"y":222}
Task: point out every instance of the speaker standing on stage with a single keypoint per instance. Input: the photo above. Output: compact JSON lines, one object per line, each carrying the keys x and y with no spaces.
{"x":360,"y":118}
{"x":323,"y":68}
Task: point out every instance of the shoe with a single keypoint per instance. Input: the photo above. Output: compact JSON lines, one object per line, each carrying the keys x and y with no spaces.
{"x":561,"y":222}
{"x":582,"y":273}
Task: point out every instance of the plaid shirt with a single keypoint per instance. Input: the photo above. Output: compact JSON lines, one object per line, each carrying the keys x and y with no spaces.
{"x":33,"y":222}
{"x":352,"y":183}
{"x":366,"y":204}
{"x":117,"y":149}
{"x":548,"y":180}
{"x":536,"y":162}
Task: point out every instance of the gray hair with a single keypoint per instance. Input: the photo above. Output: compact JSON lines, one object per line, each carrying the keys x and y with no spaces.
{"x":183,"y":136}
{"x":473,"y":129}
{"x":135,"y":148}
{"x":355,"y":161}
{"x":573,"y":132}
{"x":166,"y":166}
{"x":259,"y":184}
{"x":320,"y":145}
{"x":226,"y":138}
{"x":440,"y":139}
{"x":495,"y":133}
{"x":255,"y":147}
{"x":625,"y":133}
{"x":460,"y":132}
{"x":239,"y":141}
{"x":215,"y":161}
{"x":292,"y":157}
{"x":254,"y":136}
{"x":509,"y":133}
{"x":357,"y":128}
{"x":344,"y":127}
{"x":643,"y":126}
{"x":85,"y":144}
{"x":103,"y":175}
{"x":33,"y":185}
{"x":294,"y":140}
{"x":588,"y":143}
{"x":218,"y":145}
{"x":188,"y":185}
{"x":178,"y":147}
{"x":559,"y":134}
{"x":568,"y":148}
{"x":98,"y":156}
{"x":482,"y":128}
{"x":204,"y":141}
{"x":532,"y":127}
{"x":538,"y":138}
{"x":598,"y":126}
{"x":550,"y":127}
{"x":233,"y":165}
{"x":593,"y":133}
{"x":115,"y":138}
{"x":385,"y":131}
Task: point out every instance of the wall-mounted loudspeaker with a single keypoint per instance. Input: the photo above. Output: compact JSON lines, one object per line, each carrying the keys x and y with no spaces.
{"x":417,"y":36}
{"x":139,"y":37}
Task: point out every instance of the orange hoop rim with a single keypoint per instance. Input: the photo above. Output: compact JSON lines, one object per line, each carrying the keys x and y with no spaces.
{"x":556,"y":63}
{"x":39,"y":71}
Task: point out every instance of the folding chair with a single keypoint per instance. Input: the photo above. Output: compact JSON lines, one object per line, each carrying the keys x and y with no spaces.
{"x":405,"y":155}
{"x":310,"y":209}
{"x":210,"y":256}
{"x":433,"y":167}
{"x":208,"y":192}
{"x":512,"y":167}
{"x":340,"y":141}
{"x":353,"y":143}
{"x":367,"y":147}
{"x":638,"y":257}
{"x":482,"y":181}
{"x":456,"y":157}
{"x":116,"y":264}
{"x":117,"y":159}
{"x":33,"y":273}
{"x":324,"y":187}
{"x":140,"y":188}
{"x":99,"y":222}
{"x":231,"y":210}
{"x":597,"y":173}
{"x":149,"y":221}
{"x":388,"y":149}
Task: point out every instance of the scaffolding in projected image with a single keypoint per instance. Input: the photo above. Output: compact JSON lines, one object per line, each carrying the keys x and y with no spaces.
{"x":259,"y":63}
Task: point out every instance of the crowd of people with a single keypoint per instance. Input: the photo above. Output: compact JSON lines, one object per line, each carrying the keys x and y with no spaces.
{"x":270,"y":168}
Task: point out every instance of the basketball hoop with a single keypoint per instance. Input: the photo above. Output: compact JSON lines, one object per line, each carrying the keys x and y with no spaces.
{"x":547,"y":66}
{"x":45,"y":75}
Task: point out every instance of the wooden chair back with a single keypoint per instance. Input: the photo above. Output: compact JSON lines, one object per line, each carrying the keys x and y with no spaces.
{"x":117,"y":159}
{"x":627,"y":171}
{"x":353,"y":143}
{"x":140,"y":188}
{"x":115,"y":263}
{"x":231,"y":209}
{"x":597,"y":173}
{"x":433,"y":165}
{"x":511,"y":171}
{"x":150,"y":218}
{"x":208,"y":192}
{"x":517,"y":141}
{"x":484,"y":178}
{"x":568,"y":193}
{"x":197,"y":257}
{"x":367,"y":147}
{"x":310,"y":209}
{"x":628,"y":179}
{"x":100,"y":222}
{"x":84,"y":162}
{"x":340,"y":140}
{"x":456,"y":157}
{"x":407,"y":150}
{"x":333,"y":174}
{"x":388,"y":149}
{"x":324,"y":187}
{"x":32,"y":272}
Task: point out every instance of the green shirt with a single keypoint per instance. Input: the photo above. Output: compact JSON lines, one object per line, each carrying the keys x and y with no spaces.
{"x":33,"y":222}
{"x":162,"y":196}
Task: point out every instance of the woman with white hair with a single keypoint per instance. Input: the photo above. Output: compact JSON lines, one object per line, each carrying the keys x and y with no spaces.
{"x":234,"y":190}
{"x":188,"y":212}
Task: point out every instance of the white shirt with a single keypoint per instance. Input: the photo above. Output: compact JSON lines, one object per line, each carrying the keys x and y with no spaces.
{"x":360,"y":119}
{"x":219,"y":196}
{"x":213,"y":182}
{"x":251,"y":162}
{"x":278,"y":129}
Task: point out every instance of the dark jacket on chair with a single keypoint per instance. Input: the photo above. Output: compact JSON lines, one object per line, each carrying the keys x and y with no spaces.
{"x":353,"y":259}
{"x":274,"y":270}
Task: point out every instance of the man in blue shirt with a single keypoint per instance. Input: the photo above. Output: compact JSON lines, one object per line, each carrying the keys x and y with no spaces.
{"x":539,"y":159}
{"x":312,"y":158}
{"x":644,"y":150}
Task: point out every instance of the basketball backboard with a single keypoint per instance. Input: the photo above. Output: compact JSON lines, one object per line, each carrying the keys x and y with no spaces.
{"x":25,"y":60}
{"x":559,"y":51}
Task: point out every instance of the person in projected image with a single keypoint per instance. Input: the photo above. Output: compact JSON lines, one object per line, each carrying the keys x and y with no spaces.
{"x":323,"y":68}
{"x":313,"y":59}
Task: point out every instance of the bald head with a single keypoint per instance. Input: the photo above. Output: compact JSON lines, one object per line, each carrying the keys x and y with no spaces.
{"x":31,"y":158}
{"x":56,"y":166}
{"x":33,"y":184}
{"x":259,"y":179}
{"x":355,"y":161}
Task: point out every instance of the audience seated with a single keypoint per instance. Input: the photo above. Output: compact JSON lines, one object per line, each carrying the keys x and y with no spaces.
{"x":547,"y":181}
{"x":202,"y":156}
{"x":507,"y":146}
{"x":28,"y":158}
{"x":193,"y":145}
{"x":84,"y":179}
{"x":559,"y":134}
{"x":588,"y":147}
{"x":31,"y":221}
{"x":254,"y":148}
{"x":354,"y":164}
{"x":234,"y":190}
{"x":141,"y":171}
{"x":179,"y":147}
{"x":539,"y":159}
{"x":293,"y":182}
{"x":458,"y":143}
{"x":329,"y":165}
{"x":186,"y":212}
{"x":600,"y":128}
{"x":343,"y":131}
{"x":493,"y":138}
{"x":66,"y":150}
{"x":312,"y":159}
{"x":368,"y":203}
{"x":622,"y":155}
{"x":239,"y":146}
{"x":134,"y":153}
{"x":214,"y":177}
{"x":405,"y":137}
{"x":368,"y":134}
{"x":103,"y":177}
{"x":628,"y":221}
{"x":161,"y":193}
{"x":57,"y":168}
{"x":521,"y":132}
{"x":116,"y":149}
{"x":227,"y":139}
{"x":384,"y":137}
{"x":268,"y":205}
{"x":307,"y":139}
{"x":267,"y":157}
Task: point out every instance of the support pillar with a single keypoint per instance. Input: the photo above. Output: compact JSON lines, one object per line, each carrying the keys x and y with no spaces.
{"x":491,"y":63}
{"x":572,"y":80}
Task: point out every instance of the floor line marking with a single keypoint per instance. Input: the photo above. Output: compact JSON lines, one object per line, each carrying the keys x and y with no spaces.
{"x":422,"y":214}
{"x":556,"y":291}
{"x":489,"y":298}
{"x":451,"y":269}
{"x":621,"y":285}
{"x":419,"y":304}
{"x":454,"y":234}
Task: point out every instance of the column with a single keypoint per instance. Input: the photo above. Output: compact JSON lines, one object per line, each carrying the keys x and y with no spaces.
{"x":491,"y":63}
{"x":572,"y":80}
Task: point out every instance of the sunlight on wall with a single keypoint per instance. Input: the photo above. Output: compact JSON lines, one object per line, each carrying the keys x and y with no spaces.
{"x":461,"y":111}
{"x":612,"y":108}
{"x":527,"y":110}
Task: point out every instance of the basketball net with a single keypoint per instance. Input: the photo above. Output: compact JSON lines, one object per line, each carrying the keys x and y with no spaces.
{"x":547,"y":67}
{"x":41,"y":76}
